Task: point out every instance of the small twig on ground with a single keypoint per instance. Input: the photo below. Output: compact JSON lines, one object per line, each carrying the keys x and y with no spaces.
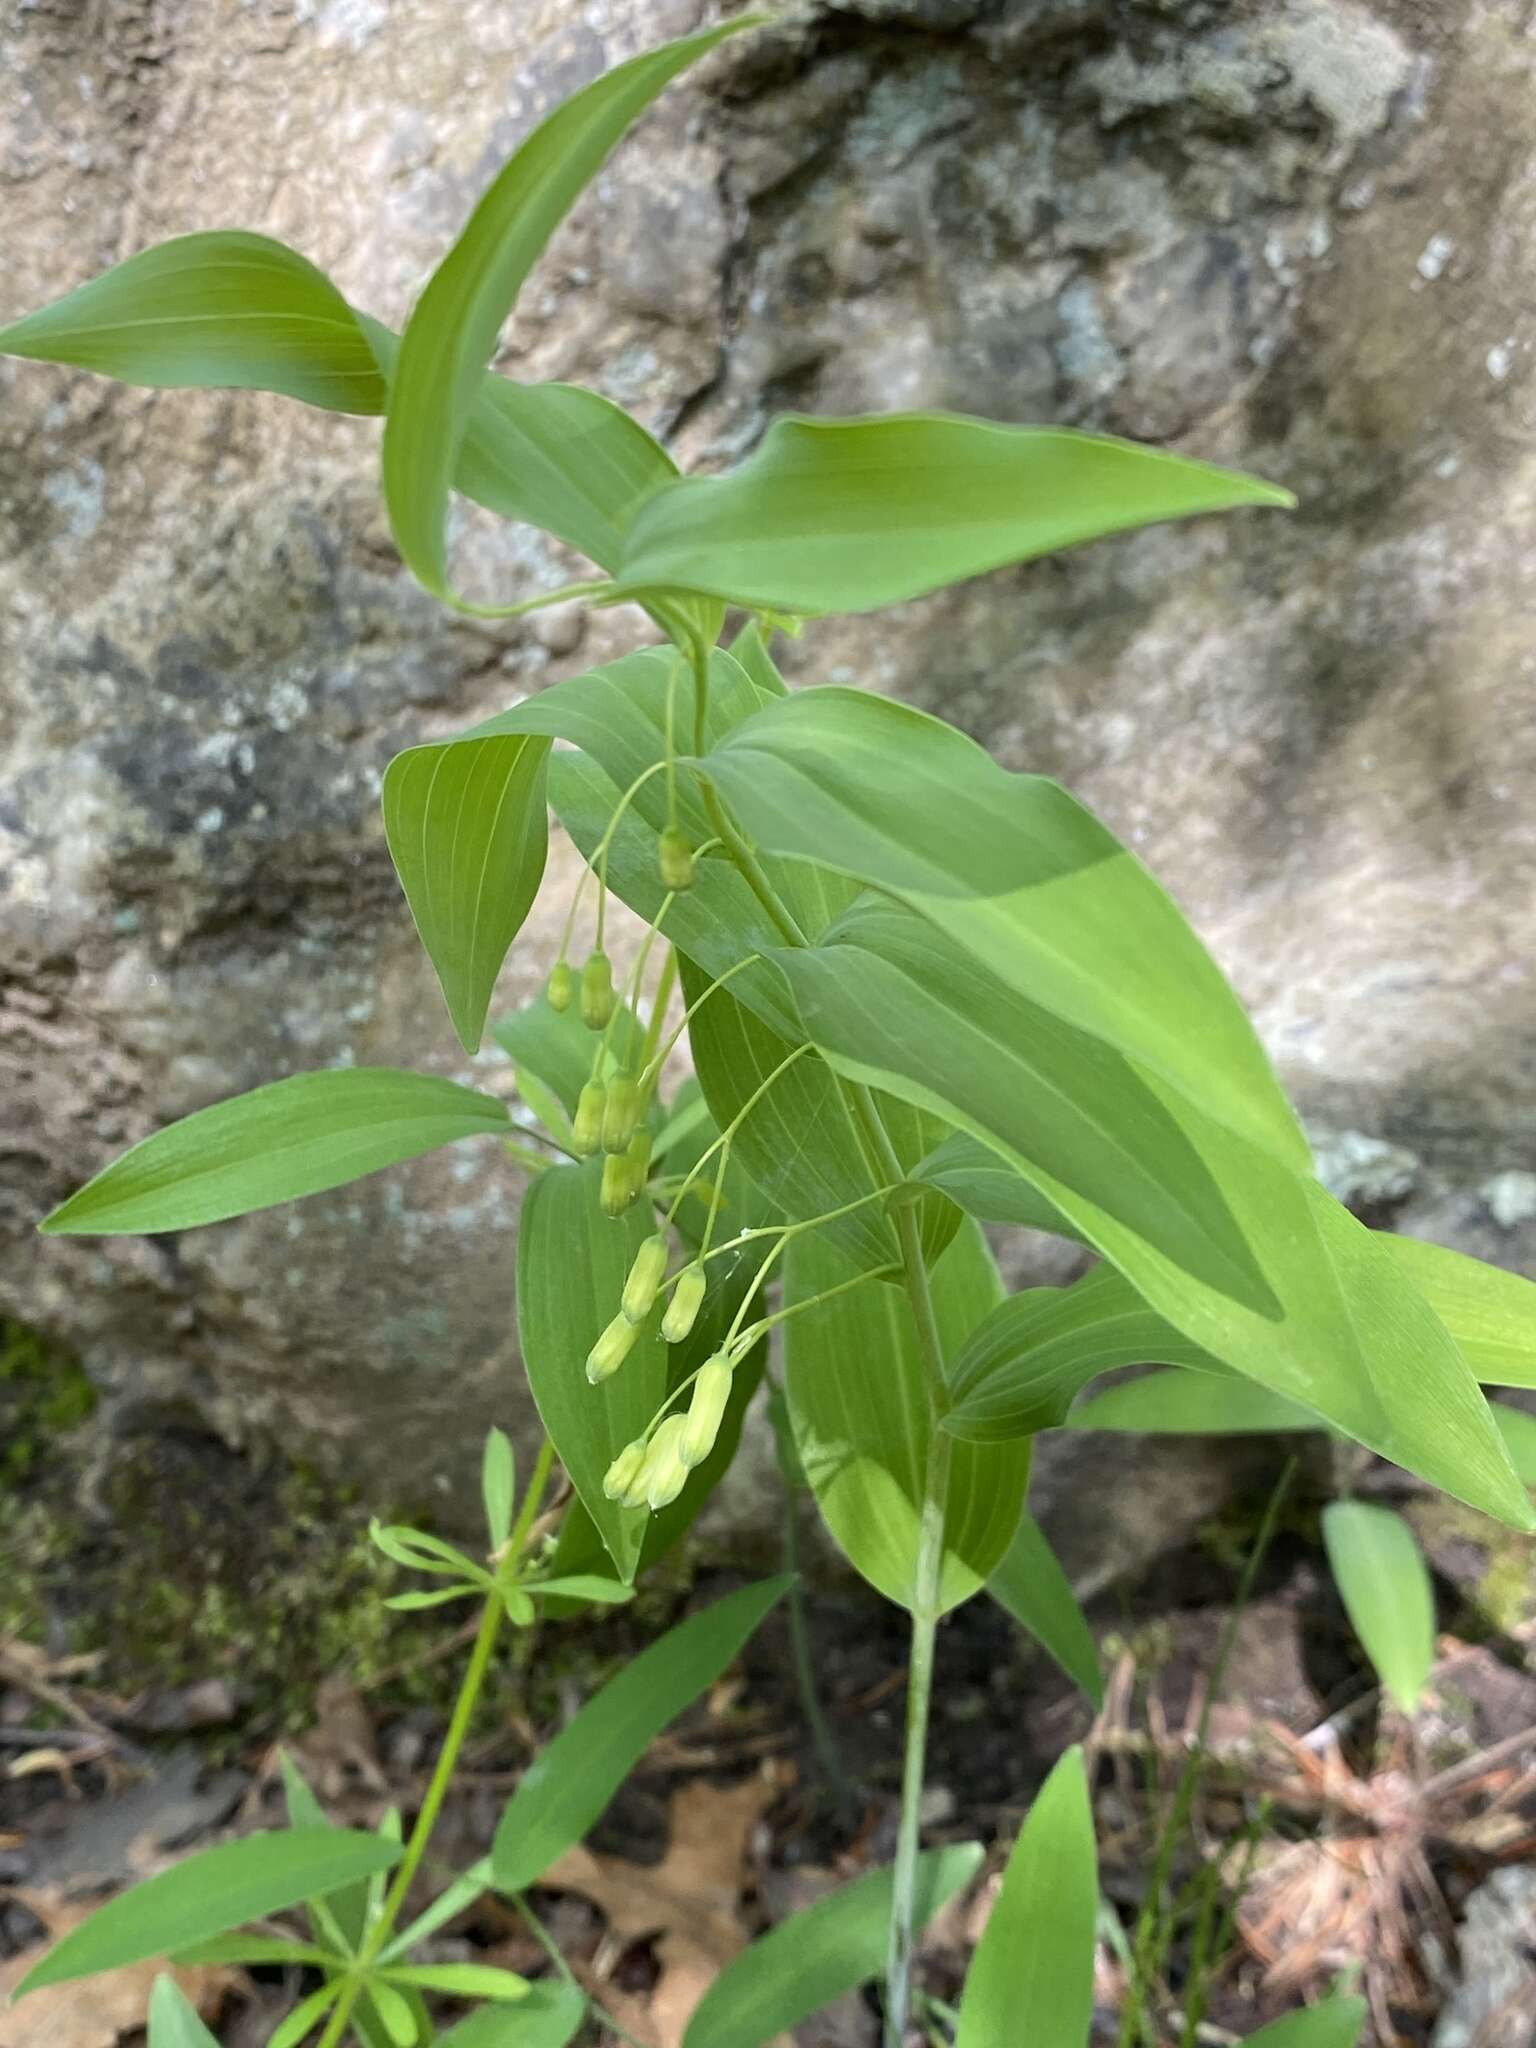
{"x":19,"y":1672}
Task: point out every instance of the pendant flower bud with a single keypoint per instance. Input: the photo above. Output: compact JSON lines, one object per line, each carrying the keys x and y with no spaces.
{"x":588,"y":1126}
{"x":611,"y":1350}
{"x":638,"y":1153}
{"x":682,"y":1310}
{"x":675,"y":860}
{"x":621,"y":1113}
{"x":645,"y":1278}
{"x":597,"y":991}
{"x":561,"y":986}
{"x":623,"y":1472}
{"x":706,"y":1411}
{"x":664,"y":1475}
{"x":619,"y":1186}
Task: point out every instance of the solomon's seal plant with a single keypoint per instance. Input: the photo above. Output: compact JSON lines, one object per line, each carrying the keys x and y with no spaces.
{"x":920,"y":993}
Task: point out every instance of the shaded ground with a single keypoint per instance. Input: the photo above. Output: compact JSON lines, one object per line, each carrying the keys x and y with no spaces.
{"x":1367,"y":1842}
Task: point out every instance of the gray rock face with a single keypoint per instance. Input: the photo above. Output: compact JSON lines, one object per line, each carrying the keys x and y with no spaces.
{"x":1297,"y":234}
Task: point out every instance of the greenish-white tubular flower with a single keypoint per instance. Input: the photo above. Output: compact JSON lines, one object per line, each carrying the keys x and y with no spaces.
{"x":561,"y":986}
{"x":706,"y":1410}
{"x":611,"y":1349}
{"x":619,"y":1188}
{"x":621,"y":1113}
{"x":675,"y":860}
{"x":588,"y":1124}
{"x":682,"y":1311}
{"x":664,"y":1475}
{"x":645,"y":1278}
{"x":633,"y":1495}
{"x":639,"y":1157}
{"x":623,"y":1472}
{"x":597,"y":991}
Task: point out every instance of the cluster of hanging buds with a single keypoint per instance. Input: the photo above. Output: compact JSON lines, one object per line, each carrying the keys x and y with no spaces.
{"x":644,"y":1284}
{"x":625,"y":1175}
{"x":653,"y":1472}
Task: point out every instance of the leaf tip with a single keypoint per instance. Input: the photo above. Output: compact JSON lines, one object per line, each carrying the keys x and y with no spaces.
{"x":57,"y":1223}
{"x":1276,"y":495}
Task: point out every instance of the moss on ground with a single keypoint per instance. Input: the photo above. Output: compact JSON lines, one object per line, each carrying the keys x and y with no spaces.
{"x":43,"y":1391}
{"x":1503,"y":1591}
{"x":193,"y":1561}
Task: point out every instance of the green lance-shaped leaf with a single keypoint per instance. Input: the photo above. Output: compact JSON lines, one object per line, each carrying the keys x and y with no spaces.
{"x":1031,"y":1978}
{"x":455,"y":326}
{"x":617,"y":717}
{"x":558,"y":457}
{"x":498,"y":1485}
{"x":255,"y":1948}
{"x":985,"y":1186}
{"x":463,"y":1980}
{"x":209,"y":1893}
{"x":468,"y":833}
{"x":1180,"y":1403}
{"x":340,"y":1920}
{"x":573,"y":1777}
{"x":1385,"y":1585}
{"x":1022,"y":1368}
{"x":579,"y":1547}
{"x":1490,"y":1312}
{"x":1015,"y":873}
{"x":815,"y":1956}
{"x":858,"y":1402}
{"x":751,"y":648}
{"x":223,"y":311}
{"x":306,"y":2016}
{"x":549,"y":2017}
{"x":1336,"y":2023}
{"x":572,"y":1262}
{"x":1518,"y":1429}
{"x":1030,"y":1585}
{"x":172,"y":2021}
{"x":290,"y":1138}
{"x":234,"y":311}
{"x":798,"y":1143}
{"x":466,"y":819}
{"x":850,"y":515}
{"x":798,"y":1140}
{"x":1256,"y":1264}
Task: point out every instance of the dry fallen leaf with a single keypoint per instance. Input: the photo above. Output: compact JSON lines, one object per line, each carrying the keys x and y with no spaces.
{"x":339,"y":1752}
{"x":97,"y":2011}
{"x":688,"y":1905}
